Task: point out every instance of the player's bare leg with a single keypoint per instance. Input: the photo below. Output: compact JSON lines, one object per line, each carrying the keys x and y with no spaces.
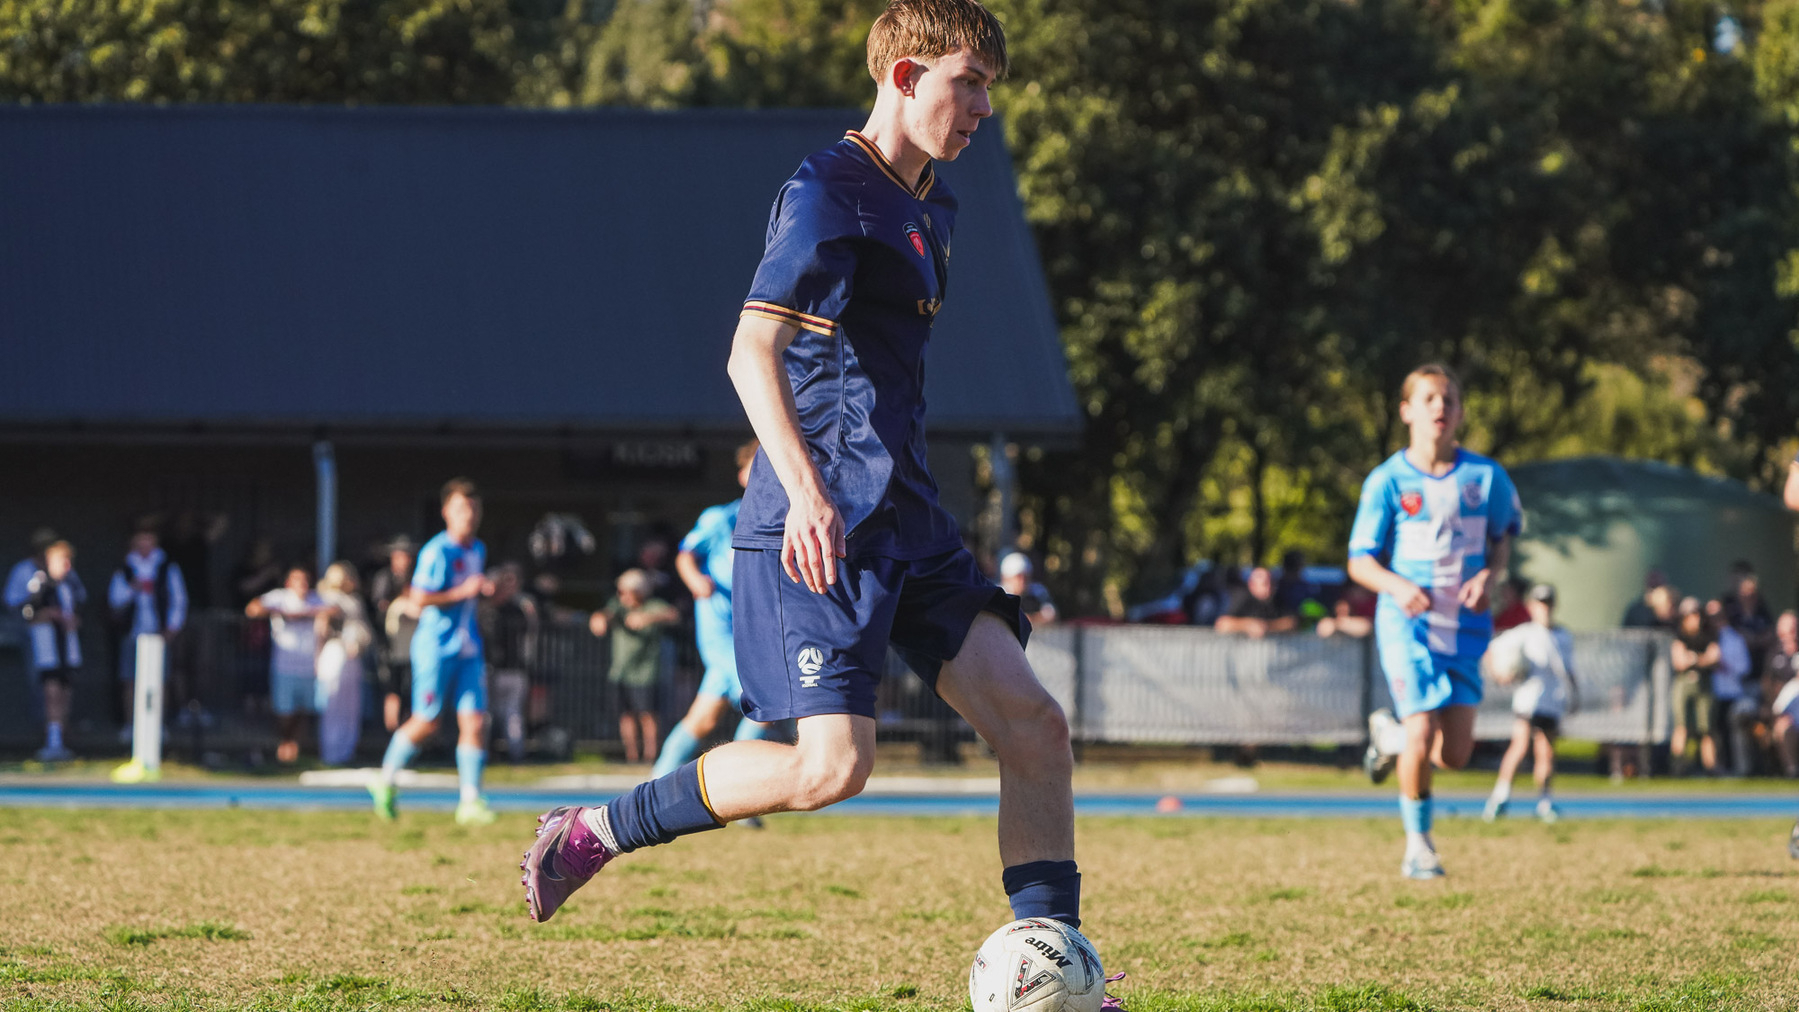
{"x":992,"y":686}
{"x":1544,"y":773}
{"x":1508,"y":770}
{"x":830,"y":761}
{"x":1441,"y":737}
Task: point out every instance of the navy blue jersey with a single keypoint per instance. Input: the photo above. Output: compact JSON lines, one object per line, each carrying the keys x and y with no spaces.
{"x":857,"y":261}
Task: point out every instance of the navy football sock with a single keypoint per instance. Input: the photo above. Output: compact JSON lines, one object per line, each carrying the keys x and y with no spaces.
{"x":1045,"y":889}
{"x":661,"y":810}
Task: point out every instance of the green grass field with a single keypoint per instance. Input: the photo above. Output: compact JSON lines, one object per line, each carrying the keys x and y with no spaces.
{"x":238,"y":909}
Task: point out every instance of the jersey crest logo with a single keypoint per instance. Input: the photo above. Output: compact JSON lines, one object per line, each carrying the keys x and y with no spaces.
{"x":1411,"y":502}
{"x":1473,"y":495}
{"x":917,"y":238}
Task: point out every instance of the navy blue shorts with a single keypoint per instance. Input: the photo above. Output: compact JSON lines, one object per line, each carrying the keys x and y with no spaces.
{"x":802,"y":654}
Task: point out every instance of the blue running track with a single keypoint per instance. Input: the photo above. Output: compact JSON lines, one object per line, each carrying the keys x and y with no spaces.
{"x":292,"y":797}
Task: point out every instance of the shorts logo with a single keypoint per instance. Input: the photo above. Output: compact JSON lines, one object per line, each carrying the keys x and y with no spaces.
{"x":1411,"y":502}
{"x":1473,"y":495}
{"x":810,"y":660}
{"x":917,"y":238}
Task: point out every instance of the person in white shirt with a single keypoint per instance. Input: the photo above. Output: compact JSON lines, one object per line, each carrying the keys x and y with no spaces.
{"x":148,"y":597}
{"x":1538,"y":657}
{"x":293,"y":679}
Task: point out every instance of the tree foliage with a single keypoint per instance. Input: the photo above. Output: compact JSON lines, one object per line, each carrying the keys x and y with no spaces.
{"x":1255,"y":215}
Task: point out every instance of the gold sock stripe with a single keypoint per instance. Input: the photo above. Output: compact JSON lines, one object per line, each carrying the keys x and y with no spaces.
{"x":699,"y":771}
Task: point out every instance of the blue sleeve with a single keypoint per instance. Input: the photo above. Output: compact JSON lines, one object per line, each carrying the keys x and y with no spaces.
{"x":1505,"y":514}
{"x":1372,"y":532}
{"x":432,"y":572}
{"x":808,"y":268}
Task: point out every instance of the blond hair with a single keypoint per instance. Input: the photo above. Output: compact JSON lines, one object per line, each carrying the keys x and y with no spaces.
{"x":1434,"y":370}
{"x":927,"y":29}
{"x":339,"y":578}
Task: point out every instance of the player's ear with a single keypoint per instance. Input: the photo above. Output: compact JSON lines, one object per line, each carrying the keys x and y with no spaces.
{"x":904,"y":75}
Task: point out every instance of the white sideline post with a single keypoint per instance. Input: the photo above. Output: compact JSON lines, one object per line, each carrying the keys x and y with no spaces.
{"x":146,"y":720}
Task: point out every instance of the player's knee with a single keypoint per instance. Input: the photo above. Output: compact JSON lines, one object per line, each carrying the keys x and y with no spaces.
{"x":1037,"y":733}
{"x":1456,"y":755}
{"x":823,"y":783}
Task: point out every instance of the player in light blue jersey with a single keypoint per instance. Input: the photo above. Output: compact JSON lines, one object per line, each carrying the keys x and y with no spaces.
{"x":704,"y":563}
{"x":1432,"y":533}
{"x":447,"y":663}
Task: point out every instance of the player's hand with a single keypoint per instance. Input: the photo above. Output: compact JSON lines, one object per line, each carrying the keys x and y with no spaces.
{"x":472,"y":586}
{"x":1473,"y":595}
{"x":812,"y":543}
{"x":702,"y":588}
{"x":1411,"y":599}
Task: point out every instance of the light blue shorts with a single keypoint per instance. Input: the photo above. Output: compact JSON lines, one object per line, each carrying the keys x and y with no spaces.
{"x":291,"y":694}
{"x":721,"y":679}
{"x":1420,"y":678}
{"x":436,"y":678}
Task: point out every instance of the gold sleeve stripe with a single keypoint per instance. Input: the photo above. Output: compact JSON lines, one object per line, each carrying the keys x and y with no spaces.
{"x":781,"y":314}
{"x":705,"y":799}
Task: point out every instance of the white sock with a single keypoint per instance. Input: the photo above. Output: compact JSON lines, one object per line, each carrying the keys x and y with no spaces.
{"x":1419,"y":841}
{"x":53,"y":735}
{"x":1502,"y":791}
{"x":470,"y":792}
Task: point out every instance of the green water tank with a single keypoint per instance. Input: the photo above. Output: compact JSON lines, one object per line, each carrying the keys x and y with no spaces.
{"x":1595,"y":526}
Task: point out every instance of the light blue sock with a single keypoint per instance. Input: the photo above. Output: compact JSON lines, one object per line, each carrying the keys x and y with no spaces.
{"x":749,"y":730}
{"x":1414,"y":814}
{"x":400,"y":751}
{"x":676,"y":751}
{"x":470,"y":761}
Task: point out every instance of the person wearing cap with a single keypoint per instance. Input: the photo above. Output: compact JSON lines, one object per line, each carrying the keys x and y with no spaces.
{"x":1015,"y":578}
{"x":1693,"y":654}
{"x":1538,"y":658}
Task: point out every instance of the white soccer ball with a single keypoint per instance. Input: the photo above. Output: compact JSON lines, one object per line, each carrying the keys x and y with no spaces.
{"x":1038,"y":964}
{"x":1506,"y":661}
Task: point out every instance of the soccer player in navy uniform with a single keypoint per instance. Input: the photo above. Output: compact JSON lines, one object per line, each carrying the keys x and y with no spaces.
{"x":447,"y":662}
{"x":842,"y":547}
{"x":1432,"y":534}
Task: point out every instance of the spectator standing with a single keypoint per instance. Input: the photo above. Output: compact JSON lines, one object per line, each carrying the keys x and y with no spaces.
{"x":1693,"y":654}
{"x":1208,"y":599}
{"x":1780,"y":689}
{"x":1540,"y":653}
{"x":1033,"y":598}
{"x":1293,"y":592}
{"x":637,"y":621}
{"x":147,"y":597}
{"x":1747,"y":612}
{"x":50,"y":601}
{"x":1655,"y":609}
{"x":1510,"y":611}
{"x":344,"y":637}
{"x":191,"y":539}
{"x":396,"y":619}
{"x":1255,"y":612}
{"x":1736,"y":699}
{"x":293,"y":678}
{"x":509,"y":623}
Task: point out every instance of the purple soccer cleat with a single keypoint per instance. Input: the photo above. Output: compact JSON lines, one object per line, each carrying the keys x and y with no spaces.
{"x":567,"y":853}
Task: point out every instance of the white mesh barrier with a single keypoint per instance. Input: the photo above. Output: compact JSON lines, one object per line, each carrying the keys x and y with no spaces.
{"x":1195,"y":686}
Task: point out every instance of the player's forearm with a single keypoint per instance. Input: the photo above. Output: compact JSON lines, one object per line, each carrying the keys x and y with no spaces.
{"x":760,"y":377}
{"x":433,"y":598}
{"x":1499,"y":557}
{"x":1368,"y":571}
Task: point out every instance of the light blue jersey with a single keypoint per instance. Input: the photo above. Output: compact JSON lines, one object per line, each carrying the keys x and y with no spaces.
{"x":710,"y":544}
{"x":1434,"y":530}
{"x":450,"y":630}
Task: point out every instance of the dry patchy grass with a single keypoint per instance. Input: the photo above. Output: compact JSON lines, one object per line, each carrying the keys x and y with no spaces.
{"x":328,"y":911}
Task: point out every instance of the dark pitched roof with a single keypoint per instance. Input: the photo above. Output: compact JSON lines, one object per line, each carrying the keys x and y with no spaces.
{"x":473,"y":268}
